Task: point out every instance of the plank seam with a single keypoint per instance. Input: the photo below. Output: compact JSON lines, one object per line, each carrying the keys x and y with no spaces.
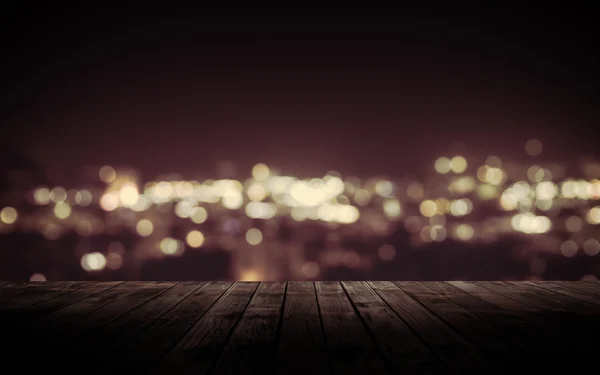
{"x":483,"y":353}
{"x":475,"y":311}
{"x":106,"y":302}
{"x":559,"y":304}
{"x":507,"y":296}
{"x":191,"y":326}
{"x":460,"y":306}
{"x":328,"y":356}
{"x":34,"y":292}
{"x":58,"y":295}
{"x":414,"y":332}
{"x":386,"y":361}
{"x":156,"y":317}
{"x":80,"y":299}
{"x":214,"y":363}
{"x":562,"y":294}
{"x":145,"y":326}
{"x":567,"y":286}
{"x":279,"y":327}
{"x":141,"y":304}
{"x":461,"y":335}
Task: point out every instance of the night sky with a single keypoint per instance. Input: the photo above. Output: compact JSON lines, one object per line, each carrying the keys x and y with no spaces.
{"x":359,"y":91}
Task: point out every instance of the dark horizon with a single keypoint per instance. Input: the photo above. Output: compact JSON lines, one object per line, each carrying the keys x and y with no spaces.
{"x":361,"y":93}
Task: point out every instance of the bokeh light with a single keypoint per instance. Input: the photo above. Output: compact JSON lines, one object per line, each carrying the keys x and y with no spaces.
{"x":195,"y":239}
{"x":144,"y":227}
{"x":250,"y":275}
{"x":42,"y":195}
{"x":569,"y":248}
{"x":321,"y":223}
{"x":254,"y":236}
{"x":62,"y":210}
{"x":199,"y":215}
{"x":129,"y":194}
{"x":458,"y":164}
{"x":464,"y":232}
{"x":109,"y":201}
{"x":37,"y":277}
{"x":386,"y":252}
{"x":260,"y":172}
{"x":442,"y":165}
{"x":533,"y":147}
{"x":93,"y":262}
{"x":311,"y":269}
{"x":593,"y":216}
{"x":8,"y":215}
{"x":107,"y":174}
{"x":591,"y":247}
{"x":170,"y":246}
{"x":428,"y":208}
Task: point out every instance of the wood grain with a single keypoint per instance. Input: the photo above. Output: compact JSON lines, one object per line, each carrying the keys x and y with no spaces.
{"x":301,"y":335}
{"x":349,"y":327}
{"x":349,"y":345}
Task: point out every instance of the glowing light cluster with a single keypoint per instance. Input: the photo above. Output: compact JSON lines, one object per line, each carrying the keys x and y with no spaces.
{"x":260,"y":210}
{"x":458,"y":164}
{"x":530,"y":223}
{"x":93,"y":262}
{"x":223,"y":212}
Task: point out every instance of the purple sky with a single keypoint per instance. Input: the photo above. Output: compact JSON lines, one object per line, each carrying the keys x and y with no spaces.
{"x":366,"y":94}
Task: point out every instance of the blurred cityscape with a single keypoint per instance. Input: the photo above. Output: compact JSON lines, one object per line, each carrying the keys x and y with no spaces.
{"x":469,"y":217}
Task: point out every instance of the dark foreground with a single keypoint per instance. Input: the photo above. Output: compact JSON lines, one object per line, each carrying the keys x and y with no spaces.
{"x":377,"y":327}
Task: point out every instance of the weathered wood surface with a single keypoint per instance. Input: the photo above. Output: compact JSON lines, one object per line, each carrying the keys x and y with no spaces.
{"x":349,"y":327}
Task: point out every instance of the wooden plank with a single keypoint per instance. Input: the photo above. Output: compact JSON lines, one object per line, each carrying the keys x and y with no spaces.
{"x":116,"y":308}
{"x":488,"y":305}
{"x":149,"y":346}
{"x":474,"y":329}
{"x":546,"y":317}
{"x":522,"y":295}
{"x":570,"y":332}
{"x":58,"y":319}
{"x":91,"y":303}
{"x":17,"y":288}
{"x":537,"y":341}
{"x":475,"y":303}
{"x":403,"y":350}
{"x":301,"y":334}
{"x":564,"y":302}
{"x":459,"y":355}
{"x":497,"y":298}
{"x":87,"y":332}
{"x":349,"y":346}
{"x":201,"y":346}
{"x":57,"y":330}
{"x":252,"y":345}
{"x":99,"y":344}
{"x":511,"y":303}
{"x":573,"y":293}
{"x":70,"y":326}
{"x":557,"y":310}
{"x":13,"y":288}
{"x":35,"y":311}
{"x":588,"y":287}
{"x":141,"y":337}
{"x":128,"y":325}
{"x":30,"y":293}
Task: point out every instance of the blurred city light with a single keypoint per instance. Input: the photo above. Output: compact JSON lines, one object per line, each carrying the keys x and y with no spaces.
{"x":268,"y":221}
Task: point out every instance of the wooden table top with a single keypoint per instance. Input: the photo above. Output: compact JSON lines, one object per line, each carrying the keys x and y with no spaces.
{"x":375,"y":327}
